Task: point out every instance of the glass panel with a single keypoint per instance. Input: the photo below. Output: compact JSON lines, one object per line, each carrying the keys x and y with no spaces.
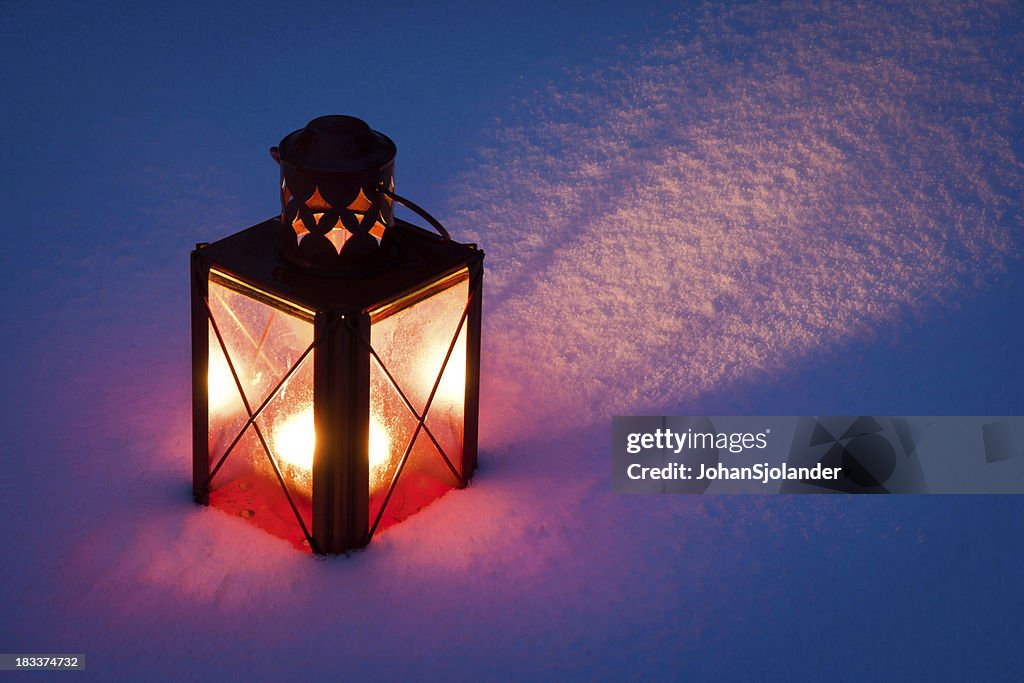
{"x":412,"y":343}
{"x":447,"y":412}
{"x":391,"y":429}
{"x":263,"y":342}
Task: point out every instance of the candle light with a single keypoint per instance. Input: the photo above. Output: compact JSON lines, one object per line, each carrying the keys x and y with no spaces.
{"x":294,"y":439}
{"x":294,"y":443}
{"x":223,"y":393}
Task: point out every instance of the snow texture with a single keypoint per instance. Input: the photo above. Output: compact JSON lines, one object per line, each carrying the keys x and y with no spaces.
{"x":717,"y":214}
{"x":752,"y":186}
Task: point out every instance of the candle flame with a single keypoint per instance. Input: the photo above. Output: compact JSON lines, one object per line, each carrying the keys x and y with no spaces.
{"x":294,"y":440}
{"x":222,"y":392}
{"x":380,"y":447}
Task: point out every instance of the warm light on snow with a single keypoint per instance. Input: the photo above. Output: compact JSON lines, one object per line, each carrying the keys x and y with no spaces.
{"x":689,"y":222}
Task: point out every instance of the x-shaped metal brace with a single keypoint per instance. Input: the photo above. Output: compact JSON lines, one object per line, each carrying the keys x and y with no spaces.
{"x":254,"y":414}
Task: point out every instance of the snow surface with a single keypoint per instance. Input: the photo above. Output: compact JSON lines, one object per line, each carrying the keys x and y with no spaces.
{"x":779,"y":208}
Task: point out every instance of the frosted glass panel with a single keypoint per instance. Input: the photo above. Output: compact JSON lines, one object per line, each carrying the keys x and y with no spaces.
{"x":263,"y":343}
{"x":412,"y":344}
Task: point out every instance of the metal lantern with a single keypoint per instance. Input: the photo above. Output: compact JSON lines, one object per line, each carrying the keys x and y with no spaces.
{"x":335,"y":351}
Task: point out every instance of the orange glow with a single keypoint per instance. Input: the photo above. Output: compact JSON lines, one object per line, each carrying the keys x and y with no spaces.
{"x":361,"y":203}
{"x":222,"y":392}
{"x":380,"y":452}
{"x":338,"y":237}
{"x":294,"y":442}
{"x":451,"y":392}
{"x":411,"y":338}
{"x":264,"y":342}
{"x":317,"y":202}
{"x":294,"y":439}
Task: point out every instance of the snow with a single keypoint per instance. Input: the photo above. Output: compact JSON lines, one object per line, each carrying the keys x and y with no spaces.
{"x":808,"y":190}
{"x":776,"y":208}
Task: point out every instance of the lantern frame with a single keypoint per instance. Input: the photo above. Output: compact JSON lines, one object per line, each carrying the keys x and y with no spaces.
{"x":340,"y":309}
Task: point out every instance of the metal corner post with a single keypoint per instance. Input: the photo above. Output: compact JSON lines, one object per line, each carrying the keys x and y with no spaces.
{"x":341,"y":387}
{"x":472,"y":423}
{"x":200,"y":271}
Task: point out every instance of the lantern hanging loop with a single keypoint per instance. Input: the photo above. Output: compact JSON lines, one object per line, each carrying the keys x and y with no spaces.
{"x":416,"y":208}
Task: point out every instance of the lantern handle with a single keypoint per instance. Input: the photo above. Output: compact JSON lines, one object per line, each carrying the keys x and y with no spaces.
{"x":417,"y":209}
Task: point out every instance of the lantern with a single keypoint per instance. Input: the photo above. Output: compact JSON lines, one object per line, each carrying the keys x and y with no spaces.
{"x":336,"y":351}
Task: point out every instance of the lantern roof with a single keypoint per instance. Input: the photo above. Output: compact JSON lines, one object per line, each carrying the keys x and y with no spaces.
{"x":336,"y":144}
{"x":252,"y":257}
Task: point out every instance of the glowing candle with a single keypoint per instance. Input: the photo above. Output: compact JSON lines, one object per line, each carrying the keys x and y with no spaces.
{"x":295,"y":439}
{"x":380,"y":445}
{"x":222,"y":392}
{"x":294,"y":442}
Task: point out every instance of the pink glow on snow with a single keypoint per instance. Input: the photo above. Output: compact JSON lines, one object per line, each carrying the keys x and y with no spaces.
{"x":665,"y":229}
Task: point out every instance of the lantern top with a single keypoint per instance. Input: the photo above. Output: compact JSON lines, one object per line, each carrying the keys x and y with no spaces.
{"x":335,"y":144}
{"x":251,"y":256}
